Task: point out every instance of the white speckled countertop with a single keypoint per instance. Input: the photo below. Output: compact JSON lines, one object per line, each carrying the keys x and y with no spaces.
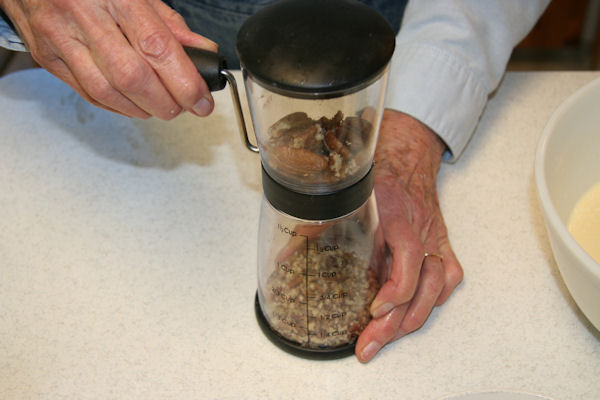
{"x":128,"y":263}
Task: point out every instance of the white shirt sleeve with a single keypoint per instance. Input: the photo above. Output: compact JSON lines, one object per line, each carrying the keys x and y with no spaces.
{"x":450,"y":55}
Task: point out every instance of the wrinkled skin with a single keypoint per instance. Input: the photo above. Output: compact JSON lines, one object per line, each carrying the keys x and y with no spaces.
{"x":407,"y":160}
{"x":127,"y":56}
{"x":122,"y":55}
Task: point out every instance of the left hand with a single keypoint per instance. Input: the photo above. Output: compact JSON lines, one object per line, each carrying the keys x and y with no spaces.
{"x":407,"y":160}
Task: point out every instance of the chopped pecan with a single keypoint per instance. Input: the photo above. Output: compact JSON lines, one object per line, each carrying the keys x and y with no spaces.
{"x":334,"y":145}
{"x":355,"y":133}
{"x":329,"y":124}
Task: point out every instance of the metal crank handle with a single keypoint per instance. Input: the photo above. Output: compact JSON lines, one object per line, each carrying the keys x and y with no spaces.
{"x":213,"y":69}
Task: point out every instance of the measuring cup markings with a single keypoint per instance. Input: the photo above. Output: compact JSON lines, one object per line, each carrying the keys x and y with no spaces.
{"x":329,"y":316}
{"x":318,"y":285}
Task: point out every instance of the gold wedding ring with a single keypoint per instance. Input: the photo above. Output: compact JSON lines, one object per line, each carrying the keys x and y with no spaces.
{"x":441,"y":257}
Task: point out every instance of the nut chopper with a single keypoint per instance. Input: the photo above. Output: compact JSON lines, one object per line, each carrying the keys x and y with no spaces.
{"x":315,"y":74}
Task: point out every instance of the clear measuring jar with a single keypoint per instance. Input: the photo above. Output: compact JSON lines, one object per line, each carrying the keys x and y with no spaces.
{"x":318,"y":277}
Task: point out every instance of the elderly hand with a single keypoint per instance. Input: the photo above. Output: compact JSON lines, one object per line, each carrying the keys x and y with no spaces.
{"x":406,"y":164}
{"x":123,"y":55}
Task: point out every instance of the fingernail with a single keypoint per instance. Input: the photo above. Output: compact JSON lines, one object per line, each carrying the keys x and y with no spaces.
{"x":176,"y":111}
{"x":382,"y":310}
{"x":202,"y":108}
{"x":369,"y":351}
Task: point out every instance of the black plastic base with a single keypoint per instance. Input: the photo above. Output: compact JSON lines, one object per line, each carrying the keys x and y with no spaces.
{"x":295,"y":348}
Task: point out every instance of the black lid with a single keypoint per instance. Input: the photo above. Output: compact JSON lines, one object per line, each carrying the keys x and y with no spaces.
{"x":315,"y":48}
{"x":317,"y":207}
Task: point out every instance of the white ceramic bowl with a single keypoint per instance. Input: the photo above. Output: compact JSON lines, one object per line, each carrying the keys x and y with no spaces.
{"x":567,"y":164}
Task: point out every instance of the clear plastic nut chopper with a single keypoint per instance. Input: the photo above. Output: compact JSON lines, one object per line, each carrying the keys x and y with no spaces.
{"x":315,"y":74}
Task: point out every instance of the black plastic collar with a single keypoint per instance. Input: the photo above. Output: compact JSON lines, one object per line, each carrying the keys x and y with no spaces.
{"x":317,"y":207}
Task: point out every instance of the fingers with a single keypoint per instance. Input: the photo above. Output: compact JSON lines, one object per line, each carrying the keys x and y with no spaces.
{"x":123,"y":74}
{"x":407,"y":256}
{"x":453,"y":273}
{"x":406,"y":248}
{"x":417,"y":284}
{"x":157,"y":46}
{"x":91,"y":84}
{"x":378,"y":333}
{"x":435,"y":285}
{"x":407,"y":317}
{"x":432,"y":281}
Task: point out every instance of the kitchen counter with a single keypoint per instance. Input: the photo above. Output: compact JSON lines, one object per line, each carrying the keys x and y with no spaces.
{"x":128,"y":262}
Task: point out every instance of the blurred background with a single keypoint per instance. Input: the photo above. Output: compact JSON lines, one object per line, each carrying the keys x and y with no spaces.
{"x":567,"y":37}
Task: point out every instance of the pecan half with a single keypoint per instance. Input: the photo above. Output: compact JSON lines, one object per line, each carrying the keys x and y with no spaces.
{"x":298,"y":161}
{"x":296,"y":121}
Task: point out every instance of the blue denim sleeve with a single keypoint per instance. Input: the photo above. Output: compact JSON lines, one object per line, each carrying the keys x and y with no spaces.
{"x":8,"y":37}
{"x":220,"y":20}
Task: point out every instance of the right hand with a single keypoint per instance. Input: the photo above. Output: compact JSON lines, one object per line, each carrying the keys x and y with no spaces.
{"x":407,"y":160}
{"x":122,"y":55}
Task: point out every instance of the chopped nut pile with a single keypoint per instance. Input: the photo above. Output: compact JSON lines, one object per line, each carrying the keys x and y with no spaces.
{"x":330,"y":294}
{"x":319,"y":151}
